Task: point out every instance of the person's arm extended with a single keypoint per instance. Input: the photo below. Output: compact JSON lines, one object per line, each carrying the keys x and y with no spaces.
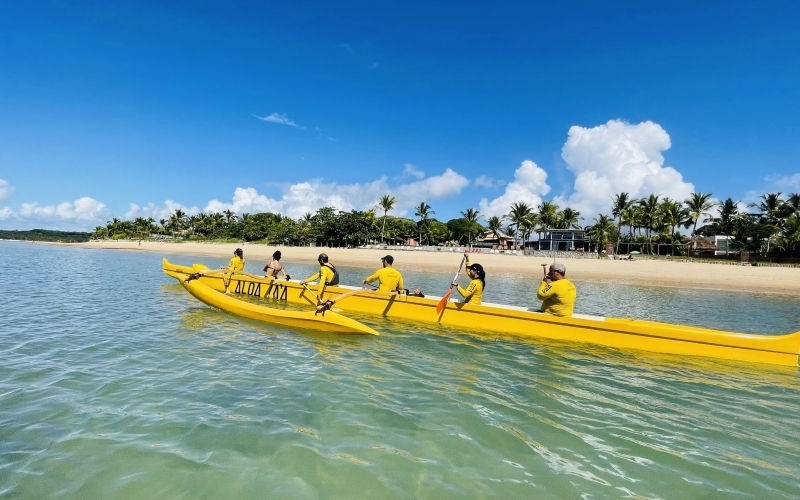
{"x":374,"y":276}
{"x":314,"y":276}
{"x":400,"y":285}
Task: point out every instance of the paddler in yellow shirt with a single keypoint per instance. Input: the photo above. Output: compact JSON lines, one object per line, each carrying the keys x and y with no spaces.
{"x":474,"y":291}
{"x":556,"y":292}
{"x":236,"y":264}
{"x":390,"y":279}
{"x":327,"y":275}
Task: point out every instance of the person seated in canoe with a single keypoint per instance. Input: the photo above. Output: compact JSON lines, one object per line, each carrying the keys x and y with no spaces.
{"x":327,"y":275}
{"x":556,"y":292}
{"x":474,"y":291}
{"x":389,"y":278}
{"x":274,"y":266}
{"x":236,"y":264}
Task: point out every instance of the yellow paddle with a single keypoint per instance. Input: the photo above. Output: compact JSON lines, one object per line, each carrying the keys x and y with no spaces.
{"x":328,"y":304}
{"x":319,"y":300}
{"x":206,"y":272}
{"x":447,"y":295}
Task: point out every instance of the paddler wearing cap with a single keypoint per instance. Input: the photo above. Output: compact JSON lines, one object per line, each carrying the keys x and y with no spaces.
{"x":390,"y":279}
{"x":474,"y":290}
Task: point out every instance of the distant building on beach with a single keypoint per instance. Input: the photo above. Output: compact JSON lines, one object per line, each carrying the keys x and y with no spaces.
{"x":562,"y":240}
{"x":491,"y":240}
{"x":722,"y":244}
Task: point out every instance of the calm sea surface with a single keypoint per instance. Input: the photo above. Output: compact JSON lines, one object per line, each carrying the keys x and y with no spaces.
{"x":116,"y":384}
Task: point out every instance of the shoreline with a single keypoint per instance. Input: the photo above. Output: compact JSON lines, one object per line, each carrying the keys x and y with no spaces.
{"x":690,"y":275}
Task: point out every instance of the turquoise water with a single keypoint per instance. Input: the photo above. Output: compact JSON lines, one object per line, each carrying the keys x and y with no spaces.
{"x":115,"y":383}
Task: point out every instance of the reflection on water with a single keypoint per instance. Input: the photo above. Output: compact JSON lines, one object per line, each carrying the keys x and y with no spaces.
{"x":115,"y":383}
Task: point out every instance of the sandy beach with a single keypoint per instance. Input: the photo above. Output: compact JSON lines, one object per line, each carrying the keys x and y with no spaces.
{"x":773,"y":280}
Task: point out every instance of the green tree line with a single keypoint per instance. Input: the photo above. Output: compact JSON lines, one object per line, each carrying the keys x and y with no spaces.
{"x":772,"y":224}
{"x":45,"y":235}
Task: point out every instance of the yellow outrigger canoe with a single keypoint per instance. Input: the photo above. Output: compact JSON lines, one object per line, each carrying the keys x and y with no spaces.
{"x":329,"y":322}
{"x":623,"y":333}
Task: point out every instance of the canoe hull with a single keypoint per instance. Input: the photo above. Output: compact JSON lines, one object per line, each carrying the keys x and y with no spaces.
{"x":613,"y":332}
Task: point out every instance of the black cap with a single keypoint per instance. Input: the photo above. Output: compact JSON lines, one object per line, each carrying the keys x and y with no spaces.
{"x":476,"y":267}
{"x":388,"y":259}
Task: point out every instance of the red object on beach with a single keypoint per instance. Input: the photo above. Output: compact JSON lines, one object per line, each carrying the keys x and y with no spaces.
{"x":443,"y":302}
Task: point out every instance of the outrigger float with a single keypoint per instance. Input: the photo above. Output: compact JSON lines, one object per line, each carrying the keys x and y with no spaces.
{"x":623,"y":333}
{"x":328,"y":322}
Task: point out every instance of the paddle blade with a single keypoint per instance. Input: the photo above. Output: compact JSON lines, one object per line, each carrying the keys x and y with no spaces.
{"x":199,"y":267}
{"x":443,"y":302}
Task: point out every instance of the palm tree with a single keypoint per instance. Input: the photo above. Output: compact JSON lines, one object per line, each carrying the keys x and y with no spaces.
{"x":422,"y":211}
{"x":771,"y":208}
{"x":527,"y":226}
{"x":495,"y":223}
{"x":230,"y":216}
{"x":177,"y":221}
{"x":791,"y":231}
{"x":471,"y":215}
{"x":518,"y":215}
{"x":698,"y":204}
{"x":568,"y":219}
{"x":630,"y":218}
{"x":673,"y":214}
{"x":619,"y":203}
{"x":792,"y":204}
{"x":548,"y":214}
{"x":602,"y":229}
{"x":650,"y":213}
{"x":511,"y":231}
{"x":386,"y":203}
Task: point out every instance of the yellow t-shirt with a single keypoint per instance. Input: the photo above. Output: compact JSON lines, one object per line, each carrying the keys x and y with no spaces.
{"x":558,"y":297}
{"x":473,"y":292}
{"x":237,"y":264}
{"x":390,"y":279}
{"x":324,"y":275}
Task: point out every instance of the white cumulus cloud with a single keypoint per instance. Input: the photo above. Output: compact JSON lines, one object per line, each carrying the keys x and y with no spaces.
{"x":447,"y":185}
{"x":158,"y":212}
{"x":82,"y":209}
{"x":6,"y":190}
{"x":307,"y":197}
{"x":79,"y":214}
{"x":528,"y":186}
{"x":616,"y":157}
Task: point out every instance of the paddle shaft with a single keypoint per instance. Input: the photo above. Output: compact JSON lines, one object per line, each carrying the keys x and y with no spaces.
{"x":353,"y":292}
{"x":319,"y":300}
{"x":443,"y":302}
{"x":463,"y":259}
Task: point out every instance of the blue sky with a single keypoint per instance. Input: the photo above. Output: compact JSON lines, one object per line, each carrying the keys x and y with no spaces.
{"x":133,"y":109}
